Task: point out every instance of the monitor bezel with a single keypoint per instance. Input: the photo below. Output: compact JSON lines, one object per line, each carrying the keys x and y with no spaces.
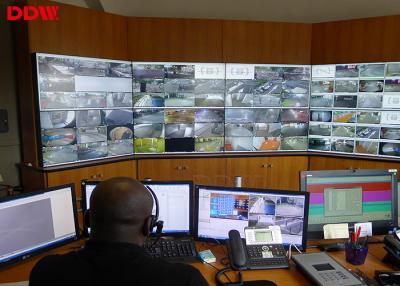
{"x":191,"y":205}
{"x":377,"y":227}
{"x":32,"y":253}
{"x":303,"y":246}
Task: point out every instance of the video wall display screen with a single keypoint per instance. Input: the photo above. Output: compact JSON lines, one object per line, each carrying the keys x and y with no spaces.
{"x":85,"y":108}
{"x":266,"y":107}
{"x":95,"y":108}
{"x":178,"y":107}
{"x":355,"y":108}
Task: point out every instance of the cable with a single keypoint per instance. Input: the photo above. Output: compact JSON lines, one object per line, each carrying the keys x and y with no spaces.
{"x":289,"y":252}
{"x":218,"y":270}
{"x":155,"y":241}
{"x":217,"y":242}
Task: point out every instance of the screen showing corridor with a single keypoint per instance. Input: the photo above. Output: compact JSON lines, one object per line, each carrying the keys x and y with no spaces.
{"x":222,"y":209}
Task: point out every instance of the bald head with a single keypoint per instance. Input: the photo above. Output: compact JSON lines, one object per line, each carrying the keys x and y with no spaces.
{"x":120,"y":209}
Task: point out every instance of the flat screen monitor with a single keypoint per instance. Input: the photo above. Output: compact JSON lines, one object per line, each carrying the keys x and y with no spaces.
{"x":175,"y":200}
{"x":32,"y":223}
{"x":351,"y":196}
{"x":220,"y":209}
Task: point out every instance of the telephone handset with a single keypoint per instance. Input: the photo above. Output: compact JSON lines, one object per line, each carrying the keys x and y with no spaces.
{"x":392,"y":246}
{"x":262,"y":249}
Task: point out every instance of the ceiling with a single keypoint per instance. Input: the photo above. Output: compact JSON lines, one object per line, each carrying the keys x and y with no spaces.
{"x":299,"y":11}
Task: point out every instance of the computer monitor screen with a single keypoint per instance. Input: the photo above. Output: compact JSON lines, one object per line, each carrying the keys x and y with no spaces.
{"x":351,"y":196}
{"x":175,"y":205}
{"x":31,"y":223}
{"x":87,"y":188}
{"x":220,"y":209}
{"x":174,"y":199}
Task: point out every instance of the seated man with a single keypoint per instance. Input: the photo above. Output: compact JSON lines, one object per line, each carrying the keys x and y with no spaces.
{"x":120,"y":219}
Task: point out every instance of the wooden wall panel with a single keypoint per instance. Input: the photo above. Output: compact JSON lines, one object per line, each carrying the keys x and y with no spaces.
{"x":266,"y":42}
{"x":80,"y":31}
{"x":159,"y":39}
{"x":352,"y":41}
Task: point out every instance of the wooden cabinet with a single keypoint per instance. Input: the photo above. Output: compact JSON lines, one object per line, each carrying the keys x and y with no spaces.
{"x":335,"y":163}
{"x":280,"y":172}
{"x":206,"y":171}
{"x":95,"y":173}
{"x":266,"y":42}
{"x":188,"y":40}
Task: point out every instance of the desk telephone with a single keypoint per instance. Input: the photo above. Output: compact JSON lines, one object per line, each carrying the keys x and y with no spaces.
{"x":262,"y":249}
{"x":392,"y":246}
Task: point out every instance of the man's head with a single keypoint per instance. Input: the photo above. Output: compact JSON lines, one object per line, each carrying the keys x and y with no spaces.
{"x":120,"y":210}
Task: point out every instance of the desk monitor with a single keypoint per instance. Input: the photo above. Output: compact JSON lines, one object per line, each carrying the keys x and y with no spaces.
{"x":34,"y":222}
{"x":350,"y":196}
{"x":220,"y":209}
{"x":175,"y":199}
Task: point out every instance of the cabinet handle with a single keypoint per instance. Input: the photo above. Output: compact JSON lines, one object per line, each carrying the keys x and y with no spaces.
{"x":100,"y":175}
{"x":266,"y":165}
{"x":184,"y":167}
{"x":179,"y":168}
{"x":93,"y":176}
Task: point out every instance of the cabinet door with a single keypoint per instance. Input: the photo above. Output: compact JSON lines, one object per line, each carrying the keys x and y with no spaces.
{"x":119,"y":169}
{"x":280,"y":172}
{"x":95,"y":173}
{"x":254,"y":171}
{"x":284,"y":172}
{"x":67,"y":177}
{"x":209,"y":171}
{"x":164,"y":169}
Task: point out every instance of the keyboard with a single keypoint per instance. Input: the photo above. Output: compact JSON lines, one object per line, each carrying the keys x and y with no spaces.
{"x":172,"y":250}
{"x":267,"y":256}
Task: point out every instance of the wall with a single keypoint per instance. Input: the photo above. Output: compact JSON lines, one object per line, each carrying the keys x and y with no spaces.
{"x":353,"y":41}
{"x":9,"y":142}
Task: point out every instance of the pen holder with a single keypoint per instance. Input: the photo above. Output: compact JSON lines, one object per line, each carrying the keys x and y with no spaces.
{"x":355,"y":254}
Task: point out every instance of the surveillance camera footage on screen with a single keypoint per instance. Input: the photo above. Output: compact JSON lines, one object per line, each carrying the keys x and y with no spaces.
{"x":97,"y":108}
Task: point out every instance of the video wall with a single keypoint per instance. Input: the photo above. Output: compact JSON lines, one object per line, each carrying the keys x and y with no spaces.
{"x":85,"y":108}
{"x":355,"y":108}
{"x":95,"y":108}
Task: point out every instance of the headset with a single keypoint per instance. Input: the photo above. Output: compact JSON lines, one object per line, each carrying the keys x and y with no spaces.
{"x":155,"y":223}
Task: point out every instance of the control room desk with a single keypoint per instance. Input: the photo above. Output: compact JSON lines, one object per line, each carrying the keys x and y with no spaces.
{"x":21,"y":270}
